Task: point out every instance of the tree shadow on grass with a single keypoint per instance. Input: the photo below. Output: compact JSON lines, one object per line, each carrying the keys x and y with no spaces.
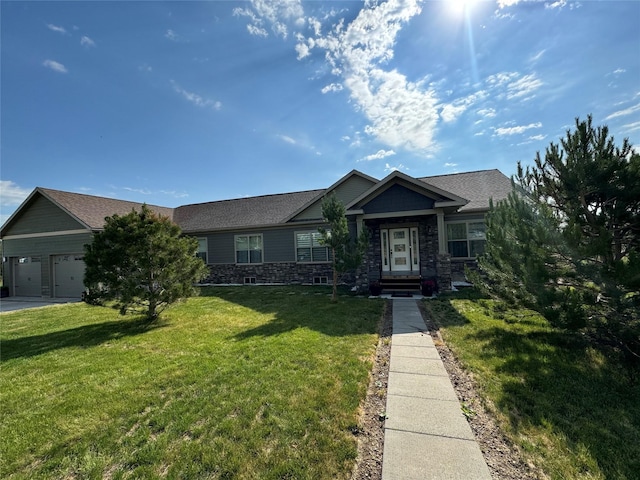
{"x":302,"y":307}
{"x":85,"y":336}
{"x":553,"y":381}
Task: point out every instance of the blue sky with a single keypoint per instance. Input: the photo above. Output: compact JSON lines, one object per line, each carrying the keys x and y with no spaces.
{"x":172,"y":103}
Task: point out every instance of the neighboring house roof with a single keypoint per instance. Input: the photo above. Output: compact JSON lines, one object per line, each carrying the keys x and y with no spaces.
{"x":477,"y":187}
{"x":247,"y":212}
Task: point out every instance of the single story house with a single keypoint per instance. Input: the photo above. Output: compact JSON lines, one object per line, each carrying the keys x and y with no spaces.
{"x":427,"y":227}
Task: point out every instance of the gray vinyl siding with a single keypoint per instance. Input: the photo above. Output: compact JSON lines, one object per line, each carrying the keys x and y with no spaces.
{"x":279,"y":245}
{"x":42,"y":216}
{"x":464,"y":217}
{"x":43,"y":247}
{"x":221,"y":247}
{"x":398,"y":199}
{"x":346,"y":193}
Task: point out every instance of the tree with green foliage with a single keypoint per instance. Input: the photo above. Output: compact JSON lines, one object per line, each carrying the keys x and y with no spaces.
{"x":567,"y":240}
{"x":346,"y":253}
{"x":141,"y":261}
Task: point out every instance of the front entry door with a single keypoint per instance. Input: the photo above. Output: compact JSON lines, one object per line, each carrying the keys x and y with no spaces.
{"x":400,"y":251}
{"x":400,"y":254}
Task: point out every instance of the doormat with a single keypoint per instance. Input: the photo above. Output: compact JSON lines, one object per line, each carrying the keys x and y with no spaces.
{"x":402,"y":294}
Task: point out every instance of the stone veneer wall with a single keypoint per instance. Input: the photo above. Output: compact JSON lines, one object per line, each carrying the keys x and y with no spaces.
{"x":286,"y":273}
{"x":458,"y":266}
{"x":443,"y":267}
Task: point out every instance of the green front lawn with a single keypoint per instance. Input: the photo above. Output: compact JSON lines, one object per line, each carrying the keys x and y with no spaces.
{"x":570,"y":408}
{"x":260,"y":382}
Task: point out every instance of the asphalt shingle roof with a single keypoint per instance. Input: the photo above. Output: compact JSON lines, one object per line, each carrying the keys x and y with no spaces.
{"x":92,"y":210}
{"x":477,"y":187}
{"x":242,"y":212}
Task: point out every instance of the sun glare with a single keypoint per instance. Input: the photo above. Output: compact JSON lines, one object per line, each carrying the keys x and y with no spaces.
{"x":458,"y":7}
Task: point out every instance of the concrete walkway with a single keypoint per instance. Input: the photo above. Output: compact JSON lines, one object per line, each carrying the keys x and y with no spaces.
{"x":426,"y":435}
{"x":10,"y":304}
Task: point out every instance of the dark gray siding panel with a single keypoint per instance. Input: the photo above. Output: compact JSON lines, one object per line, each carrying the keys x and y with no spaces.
{"x":45,"y":247}
{"x":279,"y":245}
{"x":42,"y":216}
{"x":221,"y":247}
{"x":398,"y":199}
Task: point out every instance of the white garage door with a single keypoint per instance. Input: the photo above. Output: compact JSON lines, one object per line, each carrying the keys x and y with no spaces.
{"x":27,"y":277}
{"x":68,"y":275}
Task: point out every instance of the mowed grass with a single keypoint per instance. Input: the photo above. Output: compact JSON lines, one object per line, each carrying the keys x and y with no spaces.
{"x":260,"y":383}
{"x":570,"y":408}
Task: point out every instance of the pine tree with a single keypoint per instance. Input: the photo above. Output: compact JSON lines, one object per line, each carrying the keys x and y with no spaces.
{"x":567,"y":241}
{"x":346,"y":254}
{"x":141,"y":261}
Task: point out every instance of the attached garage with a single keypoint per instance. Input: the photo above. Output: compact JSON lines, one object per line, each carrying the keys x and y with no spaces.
{"x":27,"y":276}
{"x":68,"y":274}
{"x":46,"y":225}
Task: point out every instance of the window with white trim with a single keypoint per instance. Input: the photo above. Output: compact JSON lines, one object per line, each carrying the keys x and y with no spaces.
{"x":309,"y":249}
{"x":466,"y":239}
{"x":249,"y":248}
{"x":202,"y":249}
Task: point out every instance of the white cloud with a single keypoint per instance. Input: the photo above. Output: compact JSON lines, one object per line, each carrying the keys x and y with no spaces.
{"x":378,"y":155}
{"x":507,"y":3}
{"x":389,"y":168}
{"x":195,"y":98}
{"x":512,"y":85}
{"x":624,"y":112}
{"x":487,"y":112}
{"x":142,"y":191}
{"x":450,"y":112}
{"x":87,"y":42}
{"x":523,"y":86}
{"x":12,"y":194}
{"x":450,"y":165}
{"x":257,"y":31}
{"x":287,"y":139}
{"x":145,"y":68}
{"x":55,"y":66}
{"x":538,"y":137}
{"x":400,"y":113}
{"x":278,"y":13}
{"x":538,"y":55}
{"x":502,"y":131}
{"x":334,"y":87}
{"x":171,"y":35}
{"x":56,"y":28}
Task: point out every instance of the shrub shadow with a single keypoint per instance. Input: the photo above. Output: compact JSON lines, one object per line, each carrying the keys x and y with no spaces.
{"x":303,"y":307}
{"x":554,"y":387}
{"x":84,"y":337}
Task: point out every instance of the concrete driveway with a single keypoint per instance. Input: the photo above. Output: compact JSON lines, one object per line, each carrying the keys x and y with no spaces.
{"x":10,"y":304}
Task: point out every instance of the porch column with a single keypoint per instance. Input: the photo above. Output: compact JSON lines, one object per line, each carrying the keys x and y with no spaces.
{"x":442,"y":237}
{"x":359,"y":224}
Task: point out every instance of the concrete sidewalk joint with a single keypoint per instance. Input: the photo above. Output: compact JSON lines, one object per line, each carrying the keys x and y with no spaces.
{"x":426,"y":434}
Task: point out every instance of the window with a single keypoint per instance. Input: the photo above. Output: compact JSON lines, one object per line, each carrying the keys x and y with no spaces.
{"x":466,"y":239}
{"x":249,"y":248}
{"x":308,"y":248}
{"x":202,"y":249}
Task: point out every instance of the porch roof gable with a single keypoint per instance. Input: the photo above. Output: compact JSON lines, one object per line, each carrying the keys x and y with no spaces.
{"x":441,"y":198}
